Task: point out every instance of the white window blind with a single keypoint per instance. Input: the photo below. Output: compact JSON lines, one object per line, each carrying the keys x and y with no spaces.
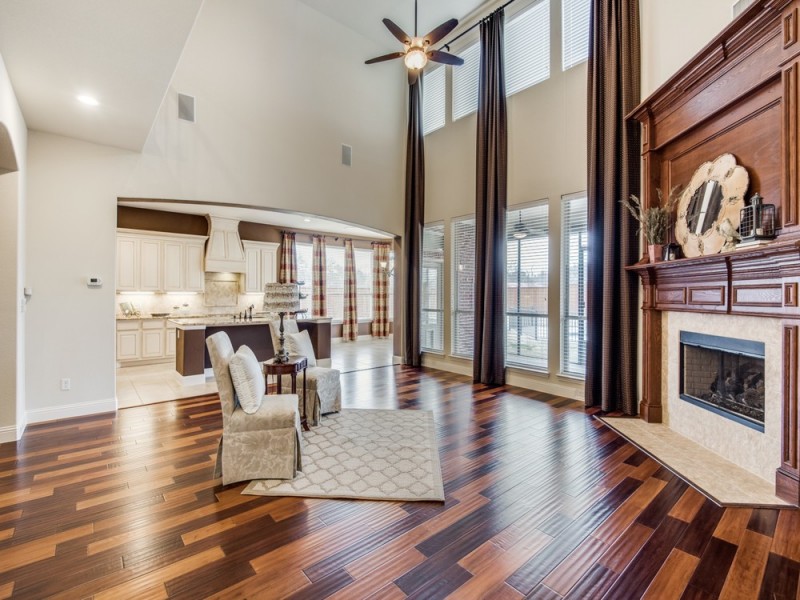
{"x":363,"y":266}
{"x":526,"y":279}
{"x":432,"y":288}
{"x":463,"y":289}
{"x":433,"y":102}
{"x":304,"y":275}
{"x":527,"y":47}
{"x":574,"y":32}
{"x":334,"y":281}
{"x":574,"y":239}
{"x":465,"y":82}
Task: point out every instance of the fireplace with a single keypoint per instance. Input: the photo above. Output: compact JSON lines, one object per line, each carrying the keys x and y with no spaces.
{"x":724,"y":375}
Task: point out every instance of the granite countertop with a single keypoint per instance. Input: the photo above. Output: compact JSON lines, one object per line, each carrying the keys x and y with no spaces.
{"x":228,"y":321}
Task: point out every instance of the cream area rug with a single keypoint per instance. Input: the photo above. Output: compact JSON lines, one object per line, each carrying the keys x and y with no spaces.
{"x":367,"y":454}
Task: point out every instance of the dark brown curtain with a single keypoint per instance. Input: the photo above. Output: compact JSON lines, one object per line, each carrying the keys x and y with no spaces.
{"x":614,"y":154}
{"x":490,"y":208}
{"x":415,"y":220}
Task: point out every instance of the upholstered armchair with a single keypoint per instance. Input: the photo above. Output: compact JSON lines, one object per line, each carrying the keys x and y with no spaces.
{"x":323,"y":389}
{"x":264,"y":445}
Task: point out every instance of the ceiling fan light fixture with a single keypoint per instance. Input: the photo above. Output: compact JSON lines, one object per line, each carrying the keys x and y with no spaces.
{"x":415,"y":58}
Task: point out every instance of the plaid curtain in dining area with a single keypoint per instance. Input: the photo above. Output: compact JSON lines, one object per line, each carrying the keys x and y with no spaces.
{"x":288,"y":271}
{"x":319,"y":306}
{"x":380,"y":289}
{"x":350,"y":317}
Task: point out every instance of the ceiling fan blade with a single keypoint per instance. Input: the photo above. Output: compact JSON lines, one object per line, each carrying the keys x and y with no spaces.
{"x":397,"y":32}
{"x":441,"y":31}
{"x":446,"y":58}
{"x":378,"y":59}
{"x":413,"y":75}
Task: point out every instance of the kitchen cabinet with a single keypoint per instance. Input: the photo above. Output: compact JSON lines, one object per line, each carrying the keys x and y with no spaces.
{"x":145,"y":340}
{"x":261,"y":262}
{"x":129,"y":338}
{"x":171,"y":342}
{"x":156,"y":262}
{"x":153,"y":338}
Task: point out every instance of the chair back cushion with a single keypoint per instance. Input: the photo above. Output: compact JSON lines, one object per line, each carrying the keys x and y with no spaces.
{"x":220,"y":350}
{"x":248,"y":379}
{"x":289,"y":326}
{"x":300,"y":343}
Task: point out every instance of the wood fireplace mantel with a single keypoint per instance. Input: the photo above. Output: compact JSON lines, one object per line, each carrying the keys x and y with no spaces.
{"x":739,"y":95}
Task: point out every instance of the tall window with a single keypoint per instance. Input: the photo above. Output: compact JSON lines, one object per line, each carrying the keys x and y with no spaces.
{"x":304,"y":275}
{"x":334,"y":281}
{"x":463,"y":289}
{"x":574,"y":32}
{"x":433,"y":103}
{"x":465,"y":82}
{"x":363,"y":282}
{"x":574,"y":238}
{"x":528,"y":47}
{"x":526,"y":292}
{"x":432,"y":288}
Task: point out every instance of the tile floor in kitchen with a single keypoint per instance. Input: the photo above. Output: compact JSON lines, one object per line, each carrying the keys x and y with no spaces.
{"x":149,"y":384}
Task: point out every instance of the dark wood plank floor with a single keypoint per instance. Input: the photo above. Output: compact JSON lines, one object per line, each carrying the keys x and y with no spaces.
{"x":543,"y":502}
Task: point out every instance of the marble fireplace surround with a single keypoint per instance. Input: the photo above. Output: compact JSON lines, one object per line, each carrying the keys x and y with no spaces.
{"x":750,"y":294}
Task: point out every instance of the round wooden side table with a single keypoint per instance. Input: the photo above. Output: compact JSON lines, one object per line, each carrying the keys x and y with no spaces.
{"x":292,"y":367}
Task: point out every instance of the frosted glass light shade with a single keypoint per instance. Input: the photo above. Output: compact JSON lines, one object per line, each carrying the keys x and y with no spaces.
{"x":415,"y":58}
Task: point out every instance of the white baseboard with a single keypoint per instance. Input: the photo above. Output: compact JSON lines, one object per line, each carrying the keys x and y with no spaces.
{"x":39,"y":415}
{"x":9,"y":434}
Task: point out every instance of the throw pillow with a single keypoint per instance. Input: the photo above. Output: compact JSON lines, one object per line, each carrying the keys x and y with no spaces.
{"x":248,"y":379}
{"x":300,"y":343}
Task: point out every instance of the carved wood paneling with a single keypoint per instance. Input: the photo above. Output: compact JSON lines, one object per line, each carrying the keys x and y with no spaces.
{"x":790,"y":294}
{"x":790,"y":28}
{"x":711,"y":296}
{"x":758,"y":295}
{"x":789,"y":149}
{"x":788,"y":475}
{"x":668,"y":295}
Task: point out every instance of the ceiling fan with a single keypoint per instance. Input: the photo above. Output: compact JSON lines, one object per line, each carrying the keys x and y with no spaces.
{"x":418,"y":51}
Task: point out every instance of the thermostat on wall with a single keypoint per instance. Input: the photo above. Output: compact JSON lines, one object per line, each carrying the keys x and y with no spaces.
{"x":94,"y":282}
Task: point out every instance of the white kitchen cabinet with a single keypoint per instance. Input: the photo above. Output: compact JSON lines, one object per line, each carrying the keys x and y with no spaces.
{"x":170,"y":342}
{"x":140,"y":340}
{"x":156,"y":262}
{"x":261,"y":261}
{"x":129,"y":337}
{"x":152,"y":343}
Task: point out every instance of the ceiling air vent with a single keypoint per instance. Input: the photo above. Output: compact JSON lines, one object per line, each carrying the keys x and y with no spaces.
{"x":347,"y":155}
{"x":186,"y":107}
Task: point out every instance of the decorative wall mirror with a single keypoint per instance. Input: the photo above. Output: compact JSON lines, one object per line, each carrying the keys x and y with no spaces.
{"x":708,"y":210}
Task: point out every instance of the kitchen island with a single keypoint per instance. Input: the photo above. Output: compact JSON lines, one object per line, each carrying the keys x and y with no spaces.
{"x":191,"y":356}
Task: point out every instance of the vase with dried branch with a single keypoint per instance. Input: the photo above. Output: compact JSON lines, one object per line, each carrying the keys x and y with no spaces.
{"x":654,"y":221}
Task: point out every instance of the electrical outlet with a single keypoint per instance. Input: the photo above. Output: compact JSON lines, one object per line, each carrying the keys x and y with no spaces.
{"x":66,"y":384}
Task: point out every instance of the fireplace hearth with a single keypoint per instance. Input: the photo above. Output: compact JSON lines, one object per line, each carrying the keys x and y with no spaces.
{"x":724,"y":375}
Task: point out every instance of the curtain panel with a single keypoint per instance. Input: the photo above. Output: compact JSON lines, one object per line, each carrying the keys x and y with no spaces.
{"x":613,"y":170}
{"x":380,"y":289}
{"x":288,"y":269}
{"x":415,"y":220}
{"x":350,"y":317}
{"x":319,"y":304}
{"x":490,"y":207}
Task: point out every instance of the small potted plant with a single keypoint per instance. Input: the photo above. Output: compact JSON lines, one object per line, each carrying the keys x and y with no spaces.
{"x":653,"y":222}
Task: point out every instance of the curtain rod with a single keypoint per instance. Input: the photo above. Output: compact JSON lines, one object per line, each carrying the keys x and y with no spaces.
{"x":474,"y":25}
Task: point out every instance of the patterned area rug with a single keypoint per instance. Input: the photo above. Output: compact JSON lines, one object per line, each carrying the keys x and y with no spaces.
{"x":366,"y":454}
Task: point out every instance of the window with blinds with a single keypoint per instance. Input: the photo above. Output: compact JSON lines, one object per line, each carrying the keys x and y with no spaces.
{"x":432,"y":289}
{"x":574,"y":240}
{"x":574,"y":32}
{"x":527,"y":47}
{"x":463,"y":288}
{"x":433,"y":100}
{"x":334,"y":281}
{"x":526,"y":292}
{"x":363,"y":259}
{"x":465,"y":82}
{"x":304,"y":275}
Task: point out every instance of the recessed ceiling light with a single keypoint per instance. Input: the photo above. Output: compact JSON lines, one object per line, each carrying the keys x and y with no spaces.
{"x":88,"y":100}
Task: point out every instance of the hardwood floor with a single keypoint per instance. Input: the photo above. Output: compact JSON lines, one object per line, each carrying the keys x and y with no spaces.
{"x":542,"y":501}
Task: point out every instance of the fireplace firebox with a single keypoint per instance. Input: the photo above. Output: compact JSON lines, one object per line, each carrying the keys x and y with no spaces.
{"x":724,"y":375}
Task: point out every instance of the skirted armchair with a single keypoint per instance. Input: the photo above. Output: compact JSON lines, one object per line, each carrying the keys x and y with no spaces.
{"x":264,"y":445}
{"x":323,"y":389}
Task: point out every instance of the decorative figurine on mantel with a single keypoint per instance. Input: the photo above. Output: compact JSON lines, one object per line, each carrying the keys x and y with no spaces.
{"x":758,"y":223}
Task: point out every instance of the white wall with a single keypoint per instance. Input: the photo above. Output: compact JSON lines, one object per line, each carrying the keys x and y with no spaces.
{"x":673,"y":32}
{"x":547,"y":160}
{"x":12,"y":267}
{"x":279,"y":87}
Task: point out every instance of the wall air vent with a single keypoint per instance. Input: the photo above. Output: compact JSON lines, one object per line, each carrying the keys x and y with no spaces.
{"x":347,"y":155}
{"x":186,"y":108}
